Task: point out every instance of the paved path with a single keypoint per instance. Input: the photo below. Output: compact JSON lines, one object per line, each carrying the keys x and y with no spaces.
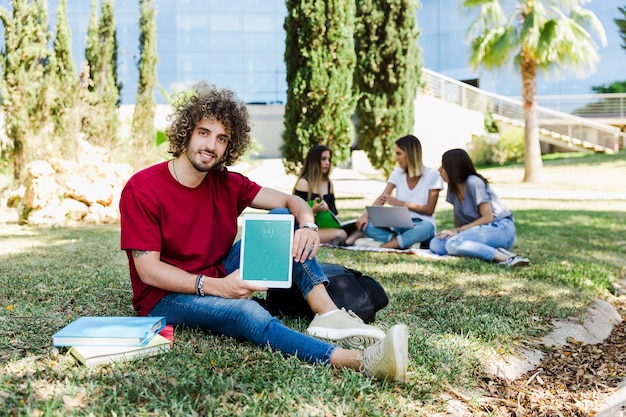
{"x":353,"y":183}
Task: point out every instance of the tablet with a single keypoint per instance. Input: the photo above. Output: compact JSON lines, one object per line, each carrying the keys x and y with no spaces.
{"x":390,"y":216}
{"x":266,"y":241}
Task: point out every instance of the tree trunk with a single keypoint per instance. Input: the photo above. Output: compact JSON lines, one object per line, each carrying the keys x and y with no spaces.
{"x":18,"y":159}
{"x":533,"y":165}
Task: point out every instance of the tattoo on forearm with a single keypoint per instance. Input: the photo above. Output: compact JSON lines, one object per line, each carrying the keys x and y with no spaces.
{"x":138,"y":253}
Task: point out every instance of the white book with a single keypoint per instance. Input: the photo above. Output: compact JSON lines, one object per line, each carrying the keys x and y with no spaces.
{"x":99,"y":355}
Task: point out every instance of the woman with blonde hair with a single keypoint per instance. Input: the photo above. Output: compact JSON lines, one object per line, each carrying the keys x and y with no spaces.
{"x":417,"y":187}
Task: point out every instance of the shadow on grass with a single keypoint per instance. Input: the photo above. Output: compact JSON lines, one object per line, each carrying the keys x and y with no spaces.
{"x":458,"y":311}
{"x":575,"y":248}
{"x":48,"y":277}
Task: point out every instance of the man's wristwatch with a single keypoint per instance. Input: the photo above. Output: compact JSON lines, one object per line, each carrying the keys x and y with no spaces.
{"x":312,"y":226}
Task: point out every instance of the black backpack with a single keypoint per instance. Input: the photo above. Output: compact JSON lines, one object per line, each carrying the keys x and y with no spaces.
{"x":348,"y":288}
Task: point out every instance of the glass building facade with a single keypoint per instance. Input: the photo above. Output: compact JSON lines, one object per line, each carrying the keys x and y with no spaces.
{"x":237,"y":44}
{"x":444,"y":25}
{"x":240,"y":44}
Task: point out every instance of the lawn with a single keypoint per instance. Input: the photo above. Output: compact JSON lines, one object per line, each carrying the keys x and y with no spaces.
{"x":458,"y":311}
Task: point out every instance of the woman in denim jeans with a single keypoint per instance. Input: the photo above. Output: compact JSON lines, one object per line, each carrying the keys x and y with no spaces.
{"x":484,"y":227}
{"x":416,"y":187}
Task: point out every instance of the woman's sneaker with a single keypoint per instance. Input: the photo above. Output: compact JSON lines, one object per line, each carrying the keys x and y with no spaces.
{"x":506,"y":252}
{"x":388,"y":359}
{"x":345,"y":328}
{"x":515,"y":261}
{"x":368,"y":242}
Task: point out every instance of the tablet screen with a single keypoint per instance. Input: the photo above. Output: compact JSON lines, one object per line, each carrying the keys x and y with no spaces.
{"x":266,"y":249}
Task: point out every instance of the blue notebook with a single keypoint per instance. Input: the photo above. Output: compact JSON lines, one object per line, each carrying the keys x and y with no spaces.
{"x":109,"y":331}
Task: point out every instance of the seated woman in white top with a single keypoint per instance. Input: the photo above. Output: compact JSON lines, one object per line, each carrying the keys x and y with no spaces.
{"x":417,"y":187}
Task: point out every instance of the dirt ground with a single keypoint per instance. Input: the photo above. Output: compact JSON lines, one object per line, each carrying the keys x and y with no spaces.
{"x":571,"y":381}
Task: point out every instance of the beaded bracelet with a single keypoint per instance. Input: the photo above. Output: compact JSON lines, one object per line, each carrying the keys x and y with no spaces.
{"x":200,"y":285}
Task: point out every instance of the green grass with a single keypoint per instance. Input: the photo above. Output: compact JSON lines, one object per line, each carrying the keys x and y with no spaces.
{"x":594,"y":172}
{"x":458,"y":312}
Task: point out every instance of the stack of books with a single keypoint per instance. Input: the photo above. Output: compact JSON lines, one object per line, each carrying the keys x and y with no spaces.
{"x":100,"y":340}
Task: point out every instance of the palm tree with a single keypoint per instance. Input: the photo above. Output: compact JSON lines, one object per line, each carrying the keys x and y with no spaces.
{"x":541,"y":35}
{"x":621,"y":25}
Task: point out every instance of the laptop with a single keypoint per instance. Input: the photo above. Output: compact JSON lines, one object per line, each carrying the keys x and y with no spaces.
{"x":390,"y":216}
{"x":266,"y":241}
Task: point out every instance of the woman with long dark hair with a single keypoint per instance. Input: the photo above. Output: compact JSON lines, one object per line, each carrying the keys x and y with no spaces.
{"x":484,"y":227}
{"x":314,"y":185}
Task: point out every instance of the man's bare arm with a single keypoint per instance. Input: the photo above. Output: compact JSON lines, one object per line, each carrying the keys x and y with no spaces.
{"x":157,"y":273}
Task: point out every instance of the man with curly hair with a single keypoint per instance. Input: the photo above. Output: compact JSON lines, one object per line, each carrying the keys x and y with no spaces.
{"x":179,"y":222}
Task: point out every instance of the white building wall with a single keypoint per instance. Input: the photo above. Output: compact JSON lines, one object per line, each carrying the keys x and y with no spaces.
{"x":439,"y":126}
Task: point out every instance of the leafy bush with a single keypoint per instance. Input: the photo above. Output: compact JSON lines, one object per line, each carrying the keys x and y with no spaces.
{"x":482,"y":147}
{"x":494,"y":149}
{"x":510,"y":147}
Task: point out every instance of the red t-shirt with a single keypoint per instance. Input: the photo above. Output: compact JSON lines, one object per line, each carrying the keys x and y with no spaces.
{"x":192,"y":228}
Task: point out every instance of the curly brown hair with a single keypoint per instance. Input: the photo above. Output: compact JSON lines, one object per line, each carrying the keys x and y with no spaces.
{"x":212,"y":103}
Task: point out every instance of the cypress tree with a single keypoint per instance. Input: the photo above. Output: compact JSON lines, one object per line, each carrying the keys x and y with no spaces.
{"x":24,"y":62}
{"x":64,"y":111}
{"x":386,"y":77}
{"x":143,"y":131}
{"x":64,"y":63}
{"x":101,"y":123}
{"x":320,"y":60}
{"x":92,"y":48}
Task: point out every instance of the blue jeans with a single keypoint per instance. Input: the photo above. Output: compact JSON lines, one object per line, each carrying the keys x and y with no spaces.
{"x":478,"y":242}
{"x":245,"y":319}
{"x":420,"y":232}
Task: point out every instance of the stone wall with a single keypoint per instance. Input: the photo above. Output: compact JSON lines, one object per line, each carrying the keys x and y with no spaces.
{"x":61,"y":192}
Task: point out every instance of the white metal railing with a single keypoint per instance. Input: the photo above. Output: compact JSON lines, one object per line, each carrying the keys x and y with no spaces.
{"x":604,"y":106}
{"x":573,"y":129}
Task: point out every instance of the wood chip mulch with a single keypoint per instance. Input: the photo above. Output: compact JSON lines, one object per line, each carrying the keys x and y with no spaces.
{"x":571,"y":380}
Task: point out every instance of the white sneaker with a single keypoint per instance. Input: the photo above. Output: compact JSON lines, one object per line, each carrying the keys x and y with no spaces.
{"x":388,"y":359}
{"x":506,"y":252}
{"x":345,"y":328}
{"x":367,"y":242}
{"x":515,"y":261}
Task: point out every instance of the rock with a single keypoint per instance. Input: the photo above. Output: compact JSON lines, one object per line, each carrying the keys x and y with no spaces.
{"x":513,"y":366}
{"x":49,"y":215}
{"x":596,"y":326}
{"x":58,"y":192}
{"x":41,"y":192}
{"x":76,"y":210}
{"x":15,"y":197}
{"x":38,"y":169}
